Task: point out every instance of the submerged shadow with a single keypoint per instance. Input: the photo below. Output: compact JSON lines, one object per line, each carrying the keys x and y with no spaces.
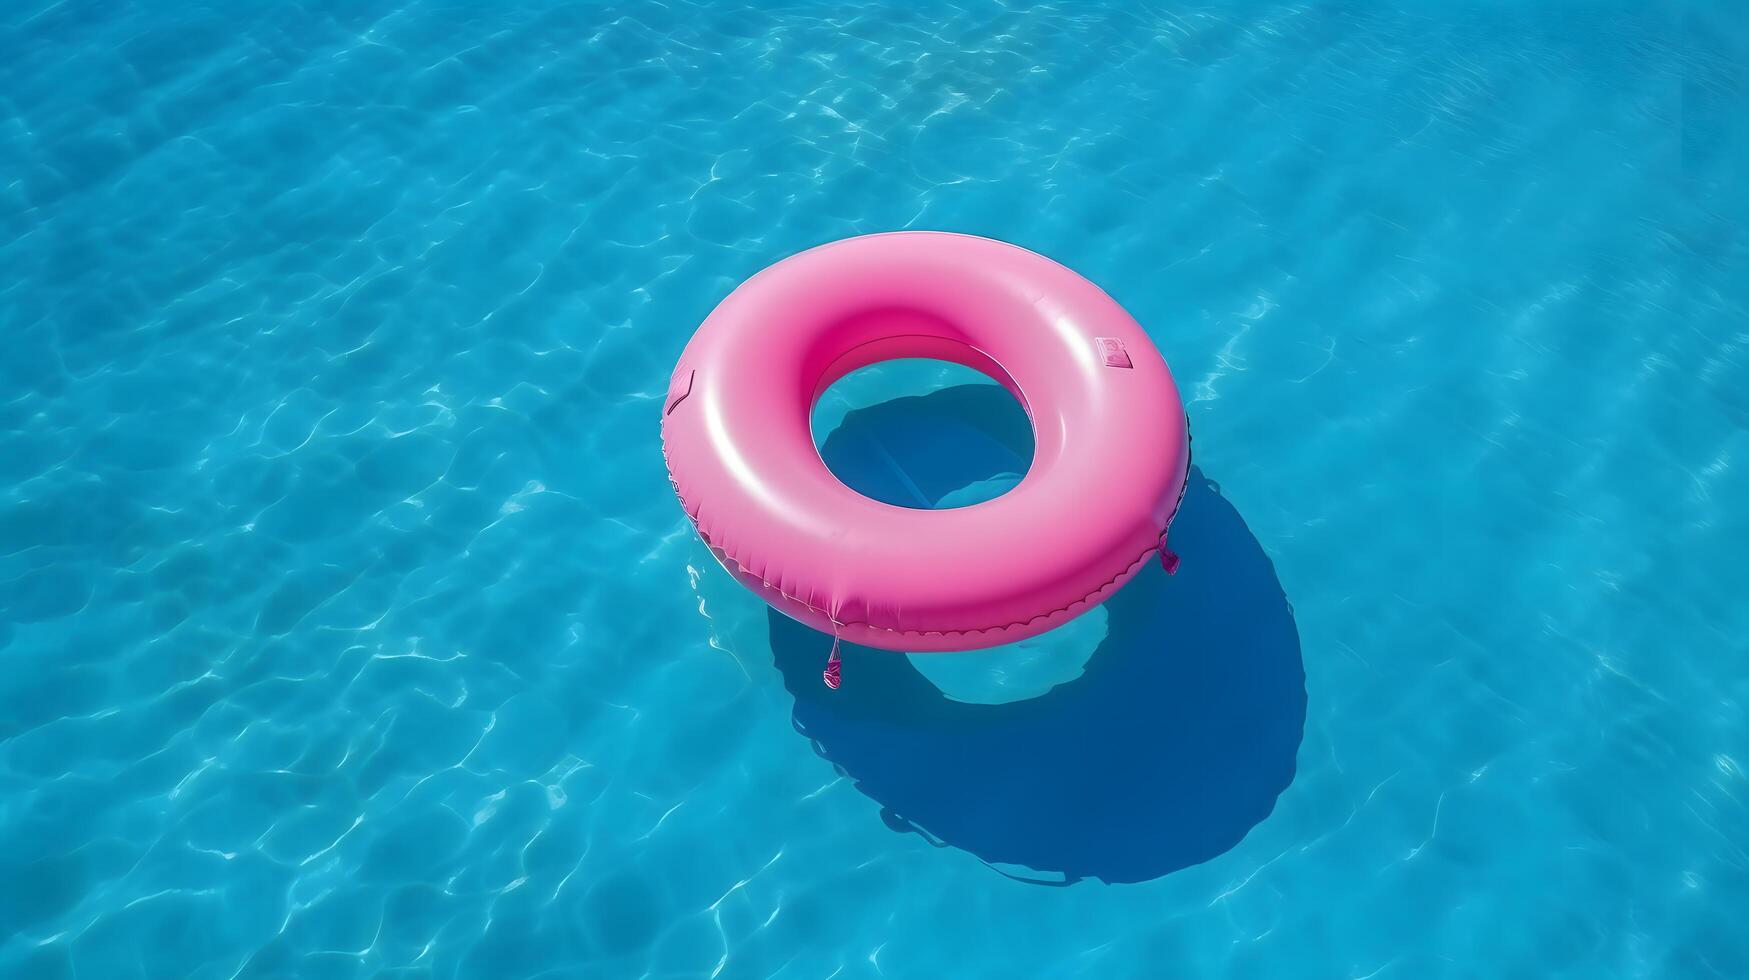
{"x":1171,"y":746}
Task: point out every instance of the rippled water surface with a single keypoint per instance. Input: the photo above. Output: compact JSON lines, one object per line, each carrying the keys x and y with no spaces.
{"x":348,"y":624}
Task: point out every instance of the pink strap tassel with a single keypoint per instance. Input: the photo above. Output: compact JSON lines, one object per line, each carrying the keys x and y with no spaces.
{"x":1168,"y":557}
{"x":830,"y":675}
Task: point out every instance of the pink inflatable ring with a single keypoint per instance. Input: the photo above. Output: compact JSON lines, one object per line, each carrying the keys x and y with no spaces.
{"x":1111,"y":450}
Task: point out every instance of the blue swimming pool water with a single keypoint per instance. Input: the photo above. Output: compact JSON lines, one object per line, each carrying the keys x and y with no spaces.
{"x":348,"y":626}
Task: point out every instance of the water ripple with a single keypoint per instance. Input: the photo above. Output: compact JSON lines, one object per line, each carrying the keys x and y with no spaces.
{"x":348,"y":626}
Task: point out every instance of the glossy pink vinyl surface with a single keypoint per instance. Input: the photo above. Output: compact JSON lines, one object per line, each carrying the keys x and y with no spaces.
{"x":1110,"y":459}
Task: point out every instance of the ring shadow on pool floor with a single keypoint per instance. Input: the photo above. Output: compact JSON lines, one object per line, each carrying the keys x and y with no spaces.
{"x":1175,"y":741}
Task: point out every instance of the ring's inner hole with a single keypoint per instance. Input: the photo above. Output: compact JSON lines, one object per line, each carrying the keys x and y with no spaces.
{"x":922,"y":433}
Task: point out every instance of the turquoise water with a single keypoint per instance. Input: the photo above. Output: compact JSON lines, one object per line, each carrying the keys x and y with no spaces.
{"x":348,"y":625}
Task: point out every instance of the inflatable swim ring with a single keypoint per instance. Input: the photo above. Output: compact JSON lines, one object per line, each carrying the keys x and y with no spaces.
{"x":1110,"y":460}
